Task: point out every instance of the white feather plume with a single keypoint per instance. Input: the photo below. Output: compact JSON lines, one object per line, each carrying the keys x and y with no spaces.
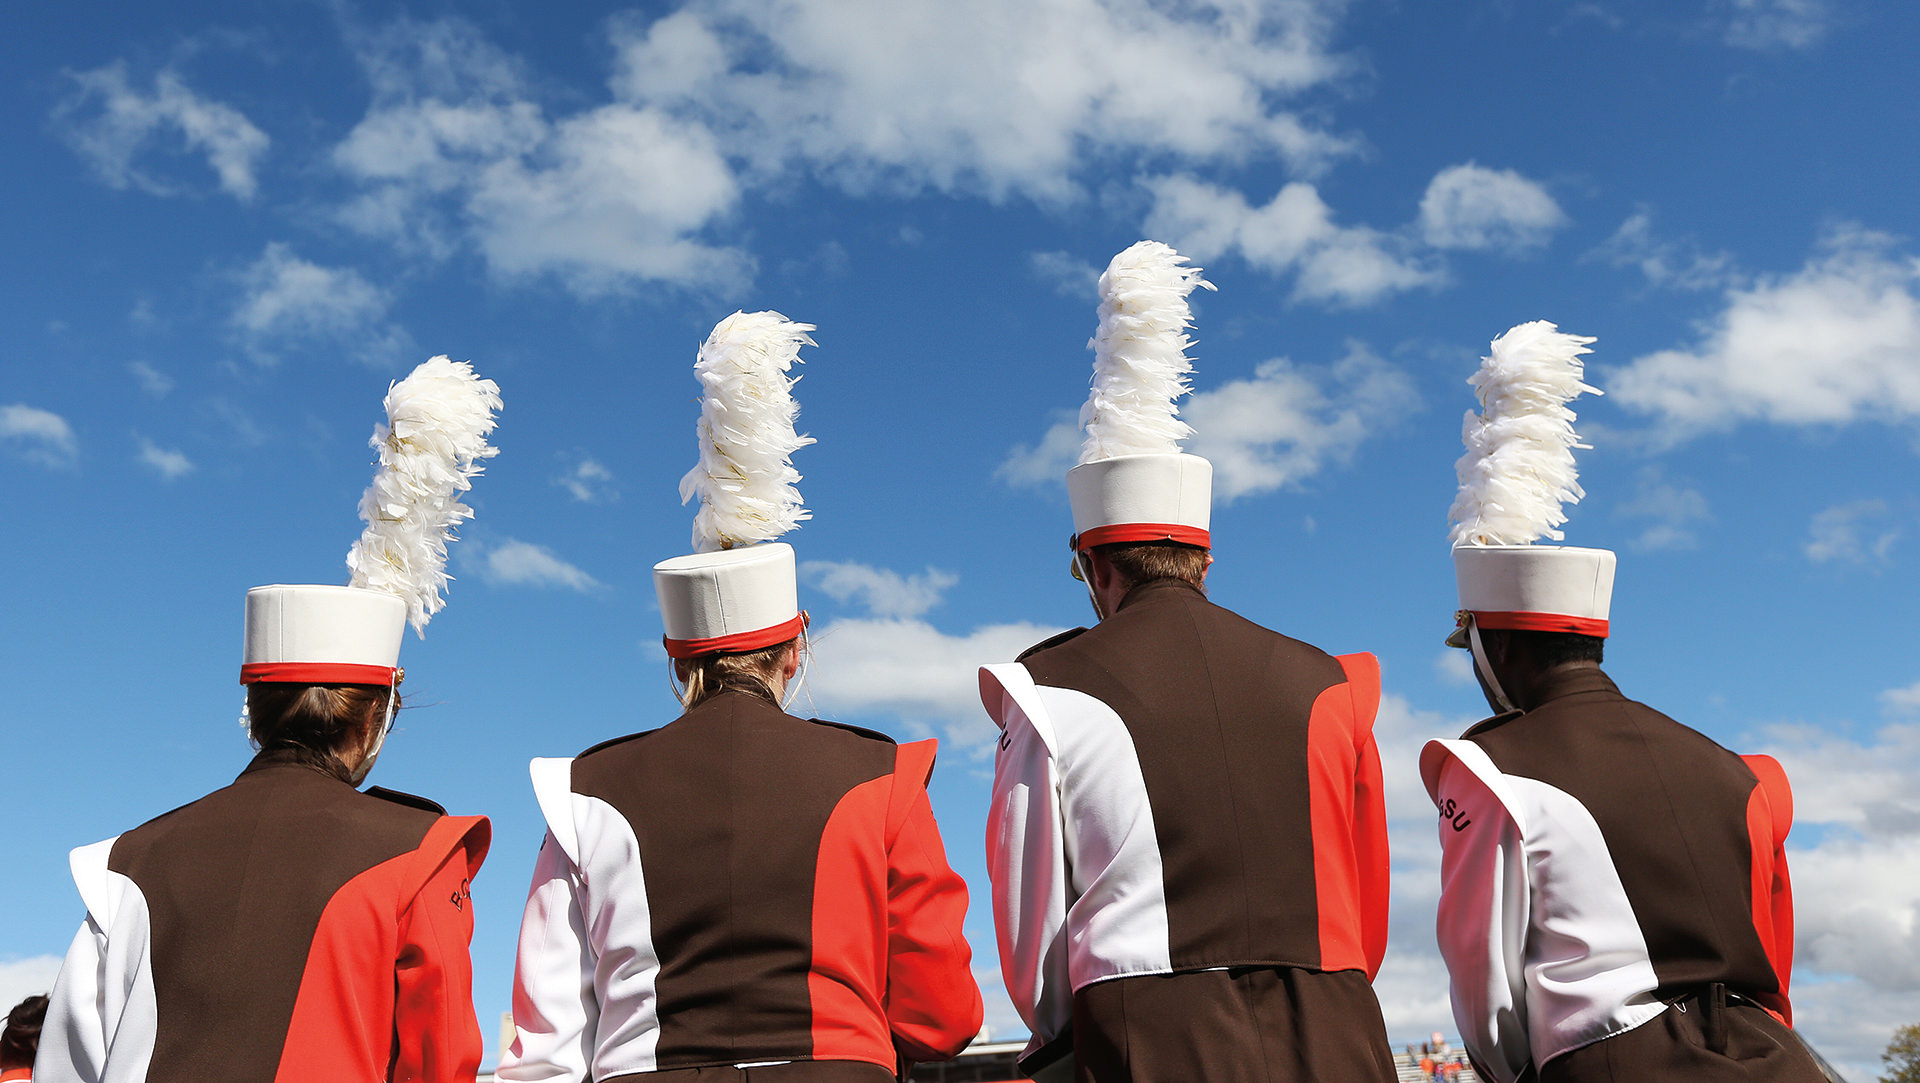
{"x":1140,"y":363}
{"x":431,"y":448}
{"x":1518,"y":469}
{"x":745,"y":477}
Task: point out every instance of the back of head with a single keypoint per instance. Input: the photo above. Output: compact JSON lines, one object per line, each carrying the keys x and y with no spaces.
{"x":21,"y":1038}
{"x":1549,"y":650}
{"x":1146,"y":562}
{"x":760,"y":673}
{"x":330,"y":726}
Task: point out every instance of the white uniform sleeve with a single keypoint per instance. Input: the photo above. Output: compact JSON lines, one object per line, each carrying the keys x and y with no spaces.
{"x":101,"y":1015}
{"x":1026,"y":858}
{"x":555,"y":1009}
{"x":73,"y":1041}
{"x":1485,"y":907}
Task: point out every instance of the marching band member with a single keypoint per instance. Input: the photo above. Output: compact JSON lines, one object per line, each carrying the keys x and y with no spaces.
{"x":1188,"y":836}
{"x":1614,"y":902}
{"x":290,"y":927}
{"x":740,"y":894}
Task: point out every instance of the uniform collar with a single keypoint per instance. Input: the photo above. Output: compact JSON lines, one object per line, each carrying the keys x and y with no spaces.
{"x":1158,"y":588}
{"x":1574,"y":681}
{"x":270,"y":758}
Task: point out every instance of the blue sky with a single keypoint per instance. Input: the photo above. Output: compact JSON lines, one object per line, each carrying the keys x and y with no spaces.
{"x":231,"y":224}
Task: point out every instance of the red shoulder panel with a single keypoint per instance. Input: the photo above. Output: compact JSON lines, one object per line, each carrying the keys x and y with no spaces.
{"x":1769,"y":817}
{"x":1773,"y":779}
{"x":847,"y":979}
{"x":387,"y":992}
{"x":1350,"y":857}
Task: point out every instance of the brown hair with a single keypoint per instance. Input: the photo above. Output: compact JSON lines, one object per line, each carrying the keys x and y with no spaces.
{"x":21,"y":1038}
{"x":1144,"y":562}
{"x":323,"y":724}
{"x":757,"y":673}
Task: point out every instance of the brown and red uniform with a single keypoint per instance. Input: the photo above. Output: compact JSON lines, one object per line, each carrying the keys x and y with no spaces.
{"x":740,"y":888}
{"x":285,"y":928}
{"x":1188,"y":848}
{"x":1615,"y":902}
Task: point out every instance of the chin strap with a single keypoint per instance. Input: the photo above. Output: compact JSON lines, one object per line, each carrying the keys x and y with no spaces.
{"x":359,"y":774}
{"x":1501,"y":704}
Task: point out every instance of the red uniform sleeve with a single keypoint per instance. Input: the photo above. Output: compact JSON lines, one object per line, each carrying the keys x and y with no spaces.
{"x":1769,"y":818}
{"x":1372,"y":858}
{"x":932,"y":1003}
{"x":436,"y":1038}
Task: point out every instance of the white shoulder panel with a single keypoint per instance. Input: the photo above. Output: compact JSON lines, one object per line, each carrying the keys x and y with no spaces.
{"x":92,"y":880}
{"x":1008,"y":693}
{"x":619,"y":922}
{"x":1474,"y":758}
{"x":553,"y":788}
{"x":1588,"y":972}
{"x":1117,"y":921}
{"x":102,"y":1016}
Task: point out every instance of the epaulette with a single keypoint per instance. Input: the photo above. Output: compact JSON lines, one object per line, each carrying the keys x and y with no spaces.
{"x":1053,"y":642}
{"x":407,"y":799}
{"x":875,"y":735}
{"x":1493,"y":723}
{"x":610,"y":742}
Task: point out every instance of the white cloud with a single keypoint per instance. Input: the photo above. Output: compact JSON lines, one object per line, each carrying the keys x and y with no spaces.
{"x":1069,"y":275}
{"x":1454,"y":667}
{"x":1776,"y":24}
{"x":151,"y":380}
{"x":726,"y":96}
{"x":1287,"y":422}
{"x":1674,"y":508}
{"x":1294,"y":233}
{"x":1844,"y":532}
{"x":873,"y":94}
{"x":22,"y":978}
{"x":589,"y":482}
{"x":1836,"y":341}
{"x":1679,"y":264}
{"x":1471,"y":206}
{"x":912,"y":671}
{"x":882,"y":591}
{"x":518,"y":563}
{"x":1048,"y":461}
{"x":289,"y":302}
{"x":1279,"y":427}
{"x":110,"y":123}
{"x":167,"y":462}
{"x":1902,"y":700}
{"x":41,"y":435}
{"x":454,"y":151}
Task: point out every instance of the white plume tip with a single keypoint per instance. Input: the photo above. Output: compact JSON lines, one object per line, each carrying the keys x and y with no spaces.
{"x":745,"y":477}
{"x":431,"y":449}
{"x":1140,"y":363}
{"x":1519,"y":470}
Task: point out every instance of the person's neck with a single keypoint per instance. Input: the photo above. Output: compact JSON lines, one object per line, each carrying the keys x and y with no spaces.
{"x":1535,"y":687}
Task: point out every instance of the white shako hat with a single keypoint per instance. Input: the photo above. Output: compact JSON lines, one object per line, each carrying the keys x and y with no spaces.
{"x":736,"y":591}
{"x":431,"y":448}
{"x":1133,"y":483}
{"x":1517,"y":473}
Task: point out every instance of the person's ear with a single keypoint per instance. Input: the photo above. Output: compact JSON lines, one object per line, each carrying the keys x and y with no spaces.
{"x":682,"y":667}
{"x":792,"y":664}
